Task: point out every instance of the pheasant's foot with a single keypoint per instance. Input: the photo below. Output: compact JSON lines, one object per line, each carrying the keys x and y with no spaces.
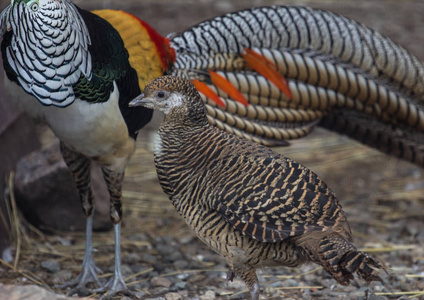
{"x":79,"y":284}
{"x":115,"y":285}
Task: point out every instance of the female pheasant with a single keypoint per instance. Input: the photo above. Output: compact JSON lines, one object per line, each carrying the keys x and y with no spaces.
{"x":252,"y":205}
{"x":267,"y":74}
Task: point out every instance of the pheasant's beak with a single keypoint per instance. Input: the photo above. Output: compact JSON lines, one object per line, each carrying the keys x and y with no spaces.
{"x":141,"y":101}
{"x":137,"y":101}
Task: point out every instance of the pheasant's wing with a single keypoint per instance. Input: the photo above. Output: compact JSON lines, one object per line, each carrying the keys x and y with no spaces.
{"x":330,"y":62}
{"x":272,"y":198}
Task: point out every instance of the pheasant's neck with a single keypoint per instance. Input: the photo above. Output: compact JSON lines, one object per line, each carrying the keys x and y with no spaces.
{"x":177,"y":153}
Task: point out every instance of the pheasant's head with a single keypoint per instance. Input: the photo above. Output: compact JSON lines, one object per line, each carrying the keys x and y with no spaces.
{"x":49,"y":15}
{"x":48,"y":48}
{"x":176,"y":97}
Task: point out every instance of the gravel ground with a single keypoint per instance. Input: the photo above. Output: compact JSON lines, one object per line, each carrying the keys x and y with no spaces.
{"x":162,"y":260}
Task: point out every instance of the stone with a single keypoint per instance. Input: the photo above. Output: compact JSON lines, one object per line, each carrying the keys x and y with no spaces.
{"x":30,"y":292}
{"x":173,"y":296}
{"x":182,"y":285}
{"x":209,"y":295}
{"x":46,"y":193}
{"x":51,"y":265}
{"x":161,"y":282}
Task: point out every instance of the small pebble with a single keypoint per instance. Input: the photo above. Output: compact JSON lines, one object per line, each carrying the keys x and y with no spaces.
{"x":62,"y":276}
{"x":161,"y":282}
{"x":140,"y":294}
{"x":174,"y":256}
{"x":181,"y":285}
{"x":209,"y":295}
{"x":180,"y":264}
{"x":148,"y":258}
{"x":173,"y":296}
{"x":131,"y":258}
{"x":159,"y":291}
{"x":51,"y":265}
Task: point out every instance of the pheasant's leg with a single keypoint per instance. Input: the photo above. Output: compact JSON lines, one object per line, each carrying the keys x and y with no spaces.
{"x":254,"y":292}
{"x":114,"y":182}
{"x":248,"y":275}
{"x":80,"y":169}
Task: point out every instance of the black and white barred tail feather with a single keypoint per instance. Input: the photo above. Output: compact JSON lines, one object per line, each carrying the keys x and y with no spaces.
{"x":331,"y":63}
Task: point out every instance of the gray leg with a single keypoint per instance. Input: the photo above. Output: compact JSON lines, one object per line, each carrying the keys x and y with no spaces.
{"x":114,"y":182}
{"x":254,"y":293}
{"x":248,"y":275}
{"x":80,"y":170}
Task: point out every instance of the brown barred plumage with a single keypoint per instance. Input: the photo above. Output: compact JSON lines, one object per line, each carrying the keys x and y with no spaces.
{"x":252,"y":205}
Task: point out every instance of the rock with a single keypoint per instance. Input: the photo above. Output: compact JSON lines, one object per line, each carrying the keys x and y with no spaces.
{"x":182,"y":285}
{"x":51,"y":265}
{"x":174,"y":256}
{"x":161,"y":282}
{"x":47,"y":196}
{"x":62,"y":276}
{"x":148,"y":258}
{"x":209,"y":295}
{"x":30,"y":292}
{"x":140,"y":294}
{"x":159,"y":291}
{"x":181,"y":264}
{"x":173,"y":296}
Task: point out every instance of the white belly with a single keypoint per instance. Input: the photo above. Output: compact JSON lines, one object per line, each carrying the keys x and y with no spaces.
{"x":95,"y":130}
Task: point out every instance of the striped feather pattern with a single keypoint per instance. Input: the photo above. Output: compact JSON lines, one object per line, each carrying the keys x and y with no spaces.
{"x":331,"y":64}
{"x":254,"y":206}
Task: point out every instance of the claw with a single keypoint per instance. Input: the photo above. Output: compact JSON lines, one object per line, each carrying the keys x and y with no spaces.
{"x":88,"y":275}
{"x":268,"y":69}
{"x":205,"y":90}
{"x":114,"y":286}
{"x":230,"y":276}
{"x":222,"y":83}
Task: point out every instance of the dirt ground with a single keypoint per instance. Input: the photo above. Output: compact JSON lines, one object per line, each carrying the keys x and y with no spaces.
{"x":382,"y":196}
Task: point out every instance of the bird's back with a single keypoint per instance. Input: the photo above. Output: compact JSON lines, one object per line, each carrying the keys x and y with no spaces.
{"x":262,"y":194}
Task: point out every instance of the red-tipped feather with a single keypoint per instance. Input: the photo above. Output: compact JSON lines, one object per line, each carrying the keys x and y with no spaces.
{"x":268,"y":69}
{"x":223,"y":84}
{"x":166,"y":52}
{"x":205,"y":90}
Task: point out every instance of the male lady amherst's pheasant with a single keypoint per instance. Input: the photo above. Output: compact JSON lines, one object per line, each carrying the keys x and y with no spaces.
{"x":252,"y":205}
{"x":78,"y":70}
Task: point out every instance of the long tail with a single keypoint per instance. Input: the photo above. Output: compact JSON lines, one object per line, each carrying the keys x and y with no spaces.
{"x":340,"y":258}
{"x":397,"y":140}
{"x":339,"y":74}
{"x":332,"y":64}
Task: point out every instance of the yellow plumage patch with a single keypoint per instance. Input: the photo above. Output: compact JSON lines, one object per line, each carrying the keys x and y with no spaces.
{"x":144,"y":55}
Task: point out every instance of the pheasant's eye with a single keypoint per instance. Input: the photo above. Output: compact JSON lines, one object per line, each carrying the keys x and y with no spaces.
{"x":161,"y":94}
{"x":34,"y":6}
